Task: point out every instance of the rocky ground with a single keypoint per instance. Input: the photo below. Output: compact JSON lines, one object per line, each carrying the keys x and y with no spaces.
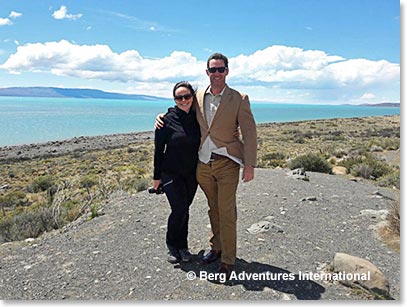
{"x":121,"y":254}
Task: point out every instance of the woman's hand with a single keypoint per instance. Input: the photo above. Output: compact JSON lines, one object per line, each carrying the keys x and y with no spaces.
{"x":237,"y":133}
{"x":156,"y":183}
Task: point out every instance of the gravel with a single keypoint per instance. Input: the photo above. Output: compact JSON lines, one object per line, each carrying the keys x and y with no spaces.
{"x":121,"y":254}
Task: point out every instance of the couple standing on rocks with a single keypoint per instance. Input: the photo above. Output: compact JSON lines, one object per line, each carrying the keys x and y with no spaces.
{"x":196,"y":142}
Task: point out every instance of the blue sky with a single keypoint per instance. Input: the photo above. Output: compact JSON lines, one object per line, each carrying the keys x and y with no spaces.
{"x":288,"y":51}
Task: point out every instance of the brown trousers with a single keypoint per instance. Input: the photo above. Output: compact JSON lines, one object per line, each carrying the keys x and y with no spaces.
{"x":219,"y":180}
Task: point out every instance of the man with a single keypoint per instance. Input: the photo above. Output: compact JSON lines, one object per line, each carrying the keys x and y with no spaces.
{"x":220,"y":110}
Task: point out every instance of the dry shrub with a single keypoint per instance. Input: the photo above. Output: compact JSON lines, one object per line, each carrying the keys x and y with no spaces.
{"x":389,"y":230}
{"x":29,"y":224}
{"x":394,"y":218}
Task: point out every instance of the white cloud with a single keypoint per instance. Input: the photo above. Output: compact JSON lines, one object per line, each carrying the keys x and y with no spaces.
{"x":367,"y":96}
{"x":14,"y":14}
{"x":100,"y":62}
{"x":276,"y":73}
{"x":62,"y":13}
{"x":5,"y":22}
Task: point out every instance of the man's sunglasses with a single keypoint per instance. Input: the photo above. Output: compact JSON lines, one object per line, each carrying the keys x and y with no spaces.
{"x":212,"y":70}
{"x":180,"y":97}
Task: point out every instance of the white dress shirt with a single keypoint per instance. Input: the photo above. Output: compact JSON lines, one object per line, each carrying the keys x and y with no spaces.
{"x":211,"y":104}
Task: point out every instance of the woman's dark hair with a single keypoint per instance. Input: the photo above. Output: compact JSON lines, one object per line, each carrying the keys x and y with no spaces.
{"x":218,"y":56}
{"x":183,"y":84}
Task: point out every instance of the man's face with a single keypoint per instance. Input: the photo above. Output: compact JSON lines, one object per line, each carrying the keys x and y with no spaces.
{"x":217,"y":79}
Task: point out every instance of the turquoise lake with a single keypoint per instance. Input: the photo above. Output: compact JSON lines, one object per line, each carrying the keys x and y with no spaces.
{"x":26,"y":120}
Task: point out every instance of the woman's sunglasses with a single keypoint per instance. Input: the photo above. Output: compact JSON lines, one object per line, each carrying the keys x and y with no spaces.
{"x":181,"y":97}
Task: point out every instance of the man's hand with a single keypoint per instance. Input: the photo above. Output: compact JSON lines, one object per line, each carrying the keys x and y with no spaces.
{"x":158,"y":121}
{"x":248,"y":173}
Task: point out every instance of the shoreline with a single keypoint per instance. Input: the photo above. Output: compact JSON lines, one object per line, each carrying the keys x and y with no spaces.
{"x":111,"y":141}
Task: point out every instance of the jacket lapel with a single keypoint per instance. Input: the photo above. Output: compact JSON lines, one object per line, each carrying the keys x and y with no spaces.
{"x":200,"y":96}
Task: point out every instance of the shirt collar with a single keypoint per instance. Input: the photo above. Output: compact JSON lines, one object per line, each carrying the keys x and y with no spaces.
{"x":208,"y":90}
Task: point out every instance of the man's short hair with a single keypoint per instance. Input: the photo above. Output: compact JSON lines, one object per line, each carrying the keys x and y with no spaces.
{"x":218,"y":56}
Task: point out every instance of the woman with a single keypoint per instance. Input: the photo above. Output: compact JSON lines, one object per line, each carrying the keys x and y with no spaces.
{"x":175,"y":161}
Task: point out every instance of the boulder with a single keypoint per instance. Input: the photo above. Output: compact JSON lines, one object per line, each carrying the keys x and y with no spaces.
{"x":264,"y":226}
{"x":376,"y":283}
{"x":298,"y":173}
{"x":339,"y":170}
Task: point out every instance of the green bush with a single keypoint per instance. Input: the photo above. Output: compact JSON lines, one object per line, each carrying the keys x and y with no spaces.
{"x":370,"y":168}
{"x":28,"y":224}
{"x":299,"y":140}
{"x":275,"y":155}
{"x":88,"y":181}
{"x":339,"y":153}
{"x":136,"y":184}
{"x":311,"y":162}
{"x":41,"y":183}
{"x":14,"y":199}
{"x":390,"y":180}
{"x":273,"y":159}
{"x":350,"y":162}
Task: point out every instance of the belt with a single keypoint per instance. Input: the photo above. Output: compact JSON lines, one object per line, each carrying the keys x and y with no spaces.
{"x":215,"y":157}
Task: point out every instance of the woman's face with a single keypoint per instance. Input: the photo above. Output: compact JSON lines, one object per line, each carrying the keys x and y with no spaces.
{"x":183,"y":98}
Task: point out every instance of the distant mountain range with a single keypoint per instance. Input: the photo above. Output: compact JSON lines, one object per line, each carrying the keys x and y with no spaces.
{"x":89,"y":93}
{"x":69,"y":93}
{"x":383,"y":104}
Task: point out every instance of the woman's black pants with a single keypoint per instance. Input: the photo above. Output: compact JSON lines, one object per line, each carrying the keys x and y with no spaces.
{"x":180,"y":192}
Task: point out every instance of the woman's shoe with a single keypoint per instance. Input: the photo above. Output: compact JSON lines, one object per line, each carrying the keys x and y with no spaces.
{"x":186,"y":256}
{"x":173,"y":256}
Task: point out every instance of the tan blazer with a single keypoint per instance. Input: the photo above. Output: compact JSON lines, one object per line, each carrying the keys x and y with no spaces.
{"x":233,"y":111}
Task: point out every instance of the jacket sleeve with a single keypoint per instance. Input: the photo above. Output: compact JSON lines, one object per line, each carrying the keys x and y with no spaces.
{"x":249,"y":132}
{"x":160,"y":141}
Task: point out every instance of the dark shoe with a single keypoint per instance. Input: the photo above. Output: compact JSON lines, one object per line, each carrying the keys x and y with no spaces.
{"x":211,"y":256}
{"x":173,"y":256}
{"x":226,"y":269}
{"x":186,"y":256}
